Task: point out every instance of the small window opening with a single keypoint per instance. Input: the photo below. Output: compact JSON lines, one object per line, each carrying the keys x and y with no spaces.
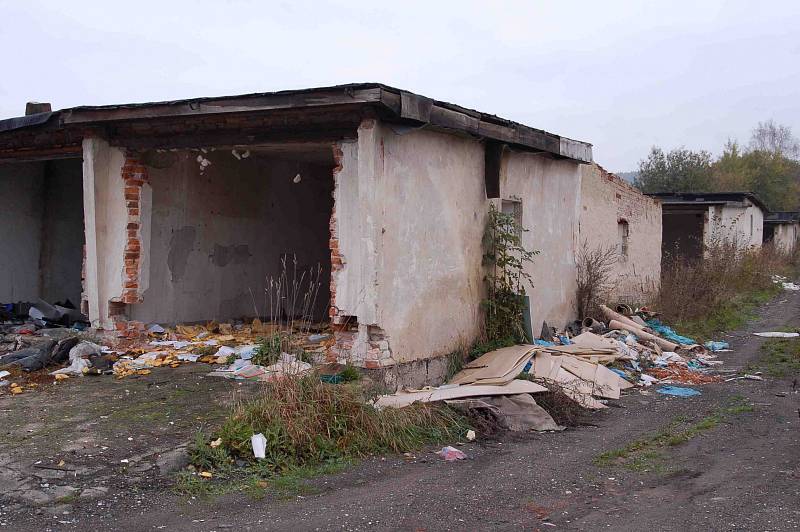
{"x":623,"y":231}
{"x":513,"y":208}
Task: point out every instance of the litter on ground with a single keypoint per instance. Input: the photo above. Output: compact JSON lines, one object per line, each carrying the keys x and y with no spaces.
{"x":451,"y":454}
{"x":678,"y":391}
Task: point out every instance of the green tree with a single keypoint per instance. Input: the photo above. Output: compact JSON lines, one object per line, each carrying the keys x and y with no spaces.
{"x":680,"y":170}
{"x":765,"y":168}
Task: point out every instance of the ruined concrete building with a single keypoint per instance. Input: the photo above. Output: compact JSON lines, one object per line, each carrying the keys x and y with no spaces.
{"x":782,"y":229}
{"x":179,"y":211}
{"x":695,"y":221}
{"x":616,"y":216}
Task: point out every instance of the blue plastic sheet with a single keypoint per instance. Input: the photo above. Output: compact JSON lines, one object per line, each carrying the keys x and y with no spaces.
{"x":668,"y":332}
{"x":544,"y":343}
{"x":716,"y":346}
{"x":678,"y":391}
{"x":695,"y":365}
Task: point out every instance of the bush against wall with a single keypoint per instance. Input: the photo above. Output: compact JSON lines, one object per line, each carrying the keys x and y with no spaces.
{"x":505,"y":258}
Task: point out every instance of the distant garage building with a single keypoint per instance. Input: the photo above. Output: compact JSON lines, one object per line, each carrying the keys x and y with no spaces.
{"x":782,"y":230}
{"x":694,"y":221}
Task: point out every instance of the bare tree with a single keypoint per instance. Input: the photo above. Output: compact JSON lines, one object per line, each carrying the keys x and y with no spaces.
{"x":596,"y":267}
{"x":775,"y":138}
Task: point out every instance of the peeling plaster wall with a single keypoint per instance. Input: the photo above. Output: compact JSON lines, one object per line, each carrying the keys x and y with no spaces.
{"x":605,"y":201}
{"x":216,"y":236}
{"x":550,"y":193}
{"x":410,"y":213}
{"x":743,"y":224}
{"x":21,"y":210}
{"x":430,"y":278}
{"x":105,"y":218}
{"x":785,"y":236}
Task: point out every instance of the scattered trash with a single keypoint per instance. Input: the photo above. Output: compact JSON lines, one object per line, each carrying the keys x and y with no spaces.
{"x":748,"y":377}
{"x":216,"y":443}
{"x":777,"y":334}
{"x":470,"y":435}
{"x":785,"y":283}
{"x":682,"y":375}
{"x":451,"y":454}
{"x":259,"y":443}
{"x":717,"y":346}
{"x":678,"y":391}
{"x":668,"y":333}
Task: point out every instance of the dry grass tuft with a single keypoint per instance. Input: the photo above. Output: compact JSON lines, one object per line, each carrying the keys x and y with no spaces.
{"x":704,"y":296}
{"x":307,"y":422}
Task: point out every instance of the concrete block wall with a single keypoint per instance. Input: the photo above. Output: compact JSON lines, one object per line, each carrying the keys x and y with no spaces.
{"x":606,"y":201}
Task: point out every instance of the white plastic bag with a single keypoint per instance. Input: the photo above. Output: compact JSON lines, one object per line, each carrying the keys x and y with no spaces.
{"x":259,"y":443}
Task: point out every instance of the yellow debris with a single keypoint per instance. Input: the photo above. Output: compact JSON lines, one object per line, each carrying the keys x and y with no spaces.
{"x":143,"y":372}
{"x":189,"y":330}
{"x":206,"y":474}
{"x":61,"y":377}
{"x":216,"y":443}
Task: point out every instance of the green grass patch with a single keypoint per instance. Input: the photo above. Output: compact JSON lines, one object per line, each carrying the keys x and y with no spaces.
{"x":311,"y":428}
{"x":780,"y":357}
{"x":728,"y":316}
{"x":649,"y":454}
{"x":255,"y":481}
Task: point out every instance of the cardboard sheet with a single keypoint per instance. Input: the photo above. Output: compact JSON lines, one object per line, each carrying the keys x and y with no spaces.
{"x":443,"y":393}
{"x":495,"y":367}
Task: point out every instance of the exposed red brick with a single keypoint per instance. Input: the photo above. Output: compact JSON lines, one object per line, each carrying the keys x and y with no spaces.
{"x":134,"y":175}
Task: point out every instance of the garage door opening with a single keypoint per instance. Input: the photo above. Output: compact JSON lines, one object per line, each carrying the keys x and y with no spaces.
{"x":41,"y":232}
{"x":682,"y":235}
{"x":227,"y":225}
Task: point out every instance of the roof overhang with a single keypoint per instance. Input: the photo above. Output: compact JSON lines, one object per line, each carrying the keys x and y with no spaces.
{"x":386,"y":102}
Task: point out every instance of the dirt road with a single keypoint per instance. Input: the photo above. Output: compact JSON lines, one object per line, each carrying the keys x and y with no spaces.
{"x":726,"y":460}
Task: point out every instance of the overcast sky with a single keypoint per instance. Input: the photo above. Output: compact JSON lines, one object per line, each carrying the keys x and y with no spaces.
{"x":621,"y":75}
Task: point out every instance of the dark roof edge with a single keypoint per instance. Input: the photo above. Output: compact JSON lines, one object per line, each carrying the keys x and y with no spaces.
{"x":401,"y":104}
{"x":20,"y":122}
{"x":713,"y":197}
{"x":782,"y":217}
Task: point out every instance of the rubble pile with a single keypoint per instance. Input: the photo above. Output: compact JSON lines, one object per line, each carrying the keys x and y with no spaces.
{"x":592,"y":361}
{"x":244,"y":351}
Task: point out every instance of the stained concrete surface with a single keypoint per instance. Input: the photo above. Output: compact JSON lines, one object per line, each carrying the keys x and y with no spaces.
{"x":742,"y":475}
{"x":41,"y":231}
{"x":218,"y":235}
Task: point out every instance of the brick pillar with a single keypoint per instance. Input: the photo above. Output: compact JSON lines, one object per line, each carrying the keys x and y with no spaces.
{"x":337,"y":261}
{"x":134,"y":174}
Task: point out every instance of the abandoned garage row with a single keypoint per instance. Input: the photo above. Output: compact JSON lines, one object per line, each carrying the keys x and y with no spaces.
{"x":186,"y":211}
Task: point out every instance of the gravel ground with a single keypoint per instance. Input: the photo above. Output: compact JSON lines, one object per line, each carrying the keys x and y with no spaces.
{"x":743,"y":474}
